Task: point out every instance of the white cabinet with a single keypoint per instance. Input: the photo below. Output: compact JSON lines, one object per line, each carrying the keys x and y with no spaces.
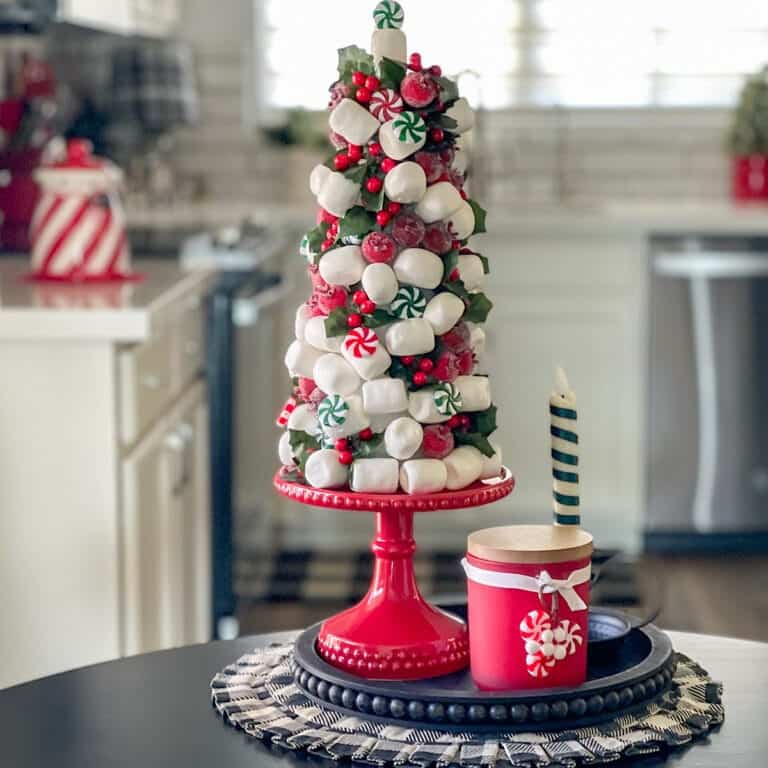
{"x":145,"y":17}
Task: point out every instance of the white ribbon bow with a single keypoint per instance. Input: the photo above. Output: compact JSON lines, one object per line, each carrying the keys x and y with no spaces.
{"x":542,"y":582}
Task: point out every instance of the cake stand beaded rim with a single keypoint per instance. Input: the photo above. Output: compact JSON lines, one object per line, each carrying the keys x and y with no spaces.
{"x":475,"y":495}
{"x":415,"y":705}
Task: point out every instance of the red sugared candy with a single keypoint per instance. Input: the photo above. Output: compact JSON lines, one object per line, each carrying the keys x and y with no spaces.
{"x":437,"y":441}
{"x":447,"y":367}
{"x":466,"y":362}
{"x":431,"y":164}
{"x":378,"y":247}
{"x":436,"y":238}
{"x":418,"y":89}
{"x":408,"y":229}
{"x":330,"y":299}
{"x":306,"y":387}
{"x":457,"y":339}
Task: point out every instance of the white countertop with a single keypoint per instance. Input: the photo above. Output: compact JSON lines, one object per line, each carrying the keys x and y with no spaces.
{"x":121,"y":312}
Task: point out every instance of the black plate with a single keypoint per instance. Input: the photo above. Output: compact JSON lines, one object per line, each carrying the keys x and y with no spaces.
{"x":632,"y":673}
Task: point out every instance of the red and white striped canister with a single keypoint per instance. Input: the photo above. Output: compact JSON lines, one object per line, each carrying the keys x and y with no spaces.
{"x":78,"y":227}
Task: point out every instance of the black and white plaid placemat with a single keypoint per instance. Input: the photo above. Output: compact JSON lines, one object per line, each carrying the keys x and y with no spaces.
{"x":257,"y":694}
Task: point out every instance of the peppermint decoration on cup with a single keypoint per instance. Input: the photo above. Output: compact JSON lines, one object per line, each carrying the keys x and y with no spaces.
{"x":332,"y":412}
{"x":408,"y":127}
{"x":385,"y":104}
{"x":447,"y":399}
{"x":388,"y":14}
{"x":409,"y":302}
{"x":361,"y":342}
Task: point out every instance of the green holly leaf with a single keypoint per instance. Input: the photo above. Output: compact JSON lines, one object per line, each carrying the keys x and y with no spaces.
{"x":456,"y":287}
{"x":484,"y":422}
{"x":480,"y":214}
{"x":374,"y":201}
{"x":356,"y":223}
{"x":484,"y":261}
{"x":391,"y":73}
{"x":449,"y":91}
{"x":362,"y":449}
{"x":316,"y":236}
{"x":352,"y":59}
{"x":336,"y":322}
{"x":356,"y":173}
{"x":479,"y":307}
{"x":378,"y":318}
{"x":450,"y":262}
{"x":474,"y":439}
{"x":447,"y":123}
{"x":302,"y":444}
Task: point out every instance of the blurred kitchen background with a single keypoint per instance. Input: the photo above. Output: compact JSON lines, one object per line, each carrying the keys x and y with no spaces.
{"x":622,"y":152}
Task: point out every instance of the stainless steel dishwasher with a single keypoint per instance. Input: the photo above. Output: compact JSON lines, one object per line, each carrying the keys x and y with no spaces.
{"x":708,"y":388}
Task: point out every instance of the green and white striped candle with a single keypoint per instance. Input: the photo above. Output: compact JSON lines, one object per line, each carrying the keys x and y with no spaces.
{"x":565,"y":453}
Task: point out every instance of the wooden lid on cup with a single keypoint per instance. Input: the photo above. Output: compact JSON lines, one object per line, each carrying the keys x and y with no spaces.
{"x":530,"y":543}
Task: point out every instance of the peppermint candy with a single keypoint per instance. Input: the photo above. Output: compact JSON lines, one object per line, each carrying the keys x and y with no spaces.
{"x":332,"y":412}
{"x":388,"y":14}
{"x":409,"y":302}
{"x":409,"y":127}
{"x":288,"y":408}
{"x":361,"y":342}
{"x":385,"y":104}
{"x":447,"y":399}
{"x":306,"y":251}
{"x":545,"y":646}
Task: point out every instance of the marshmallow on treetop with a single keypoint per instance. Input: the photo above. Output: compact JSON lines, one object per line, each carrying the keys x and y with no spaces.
{"x":300,"y":358}
{"x":464,"y":466}
{"x":390,"y":44}
{"x":471,"y":271}
{"x":421,"y":405}
{"x":410,"y":337}
{"x":335,"y":192}
{"x":462,"y":222}
{"x":398,"y":144}
{"x":374,"y":476}
{"x":355,"y":419}
{"x":402,"y":438}
{"x":353,"y":121}
{"x":304,"y":419}
{"x":343,"y":265}
{"x":314,"y":334}
{"x":405,"y":183}
{"x":385,"y":395}
{"x":475,"y":393}
{"x":463,"y":114}
{"x":380,"y":283}
{"x":440,"y":201}
{"x":419,"y":267}
{"x":335,"y":376}
{"x":443,"y":312}
{"x":423,"y":476}
{"x":324,"y":470}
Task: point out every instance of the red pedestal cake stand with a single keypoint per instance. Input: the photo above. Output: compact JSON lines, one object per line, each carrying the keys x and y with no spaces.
{"x":393,"y":633}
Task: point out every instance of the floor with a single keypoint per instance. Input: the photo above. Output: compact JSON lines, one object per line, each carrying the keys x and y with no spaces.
{"x":722,"y":595}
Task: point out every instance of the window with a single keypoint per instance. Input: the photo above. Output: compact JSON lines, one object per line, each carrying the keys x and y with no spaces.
{"x":600,"y":53}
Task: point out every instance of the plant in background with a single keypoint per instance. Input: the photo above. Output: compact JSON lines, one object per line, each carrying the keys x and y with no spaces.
{"x":748,"y":134}
{"x":300,"y":127}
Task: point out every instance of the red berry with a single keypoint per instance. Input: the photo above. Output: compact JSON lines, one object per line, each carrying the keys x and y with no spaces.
{"x":358,"y":78}
{"x":372,"y":83}
{"x":444,"y":177}
{"x":366,"y":434}
{"x":393,"y":208}
{"x":447,"y":155}
{"x":414,"y":62}
{"x":330,"y":298}
{"x":418,"y":89}
{"x":435,"y":70}
{"x":354,"y":320}
{"x":419,"y":378}
{"x":378,"y":247}
{"x":465,"y":420}
{"x":455,"y":244}
{"x":363,"y":95}
{"x":454,"y":421}
{"x":360,"y":297}
{"x":355,"y":152}
{"x":382,"y":218}
{"x":374,"y":184}
{"x":345,"y":457}
{"x":438,"y":441}
{"x":463,"y":194}
{"x":454,"y":275}
{"x":342,"y":444}
{"x":426,"y":365}
{"x":408,"y":229}
{"x":341,"y":162}
{"x":387,"y":164}
{"x":436,"y":134}
{"x":374,"y":148}
{"x":368,"y":307}
{"x":407,"y":359}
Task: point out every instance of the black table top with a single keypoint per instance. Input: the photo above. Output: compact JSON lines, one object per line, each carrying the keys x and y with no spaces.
{"x":154,"y":710}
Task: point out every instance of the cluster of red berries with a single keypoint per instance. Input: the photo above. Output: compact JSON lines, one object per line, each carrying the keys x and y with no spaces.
{"x":414,"y":64}
{"x":383,"y":216}
{"x":333,"y":229}
{"x":342,"y":445}
{"x":365,"y":85}
{"x":424,"y":367}
{"x":367,"y":307}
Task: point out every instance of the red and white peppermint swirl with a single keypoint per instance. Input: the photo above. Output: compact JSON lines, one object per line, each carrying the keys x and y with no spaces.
{"x":534,"y":623}
{"x":288,"y":408}
{"x":361,"y":342}
{"x":385,"y":104}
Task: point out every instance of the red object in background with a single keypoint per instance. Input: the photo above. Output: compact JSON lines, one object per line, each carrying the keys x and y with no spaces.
{"x":393,"y":633}
{"x":749,"y":178}
{"x":19,"y":191}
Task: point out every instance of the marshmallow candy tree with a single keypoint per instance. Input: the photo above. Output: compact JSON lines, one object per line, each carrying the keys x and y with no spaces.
{"x":387,"y":397}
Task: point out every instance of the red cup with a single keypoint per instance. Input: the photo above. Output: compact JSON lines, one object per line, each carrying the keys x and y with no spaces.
{"x":749,"y":178}
{"x":528,"y":601}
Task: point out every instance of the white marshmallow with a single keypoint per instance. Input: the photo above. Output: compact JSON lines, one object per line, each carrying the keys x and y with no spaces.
{"x":390,"y":43}
{"x":476,"y":338}
{"x":324,"y":470}
{"x":300,"y":358}
{"x":300,"y":323}
{"x":423,"y":476}
{"x":314,"y":334}
{"x":443,"y":312}
{"x":471,"y":271}
{"x":337,"y":194}
{"x":462,"y":222}
{"x":335,"y":376}
{"x":284,"y":450}
{"x":343,"y":265}
{"x":410,"y":337}
{"x":380,"y":283}
{"x":440,"y":201}
{"x":475,"y":392}
{"x":355,"y":123}
{"x":463,"y":114}
{"x":464,"y":465}
{"x":402,"y":438}
{"x":405,"y":183}
{"x":419,"y":267}
{"x":384,"y":396}
{"x":460,"y":160}
{"x":369,"y":367}
{"x":421,"y":405}
{"x":374,"y":476}
{"x":318,"y":177}
{"x":303,"y":418}
{"x":492,"y":465}
{"x":380,"y":421}
{"x":393,"y":147}
{"x":356,"y":419}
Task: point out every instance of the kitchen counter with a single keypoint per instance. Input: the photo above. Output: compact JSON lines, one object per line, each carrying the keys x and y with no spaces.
{"x":121,"y":312}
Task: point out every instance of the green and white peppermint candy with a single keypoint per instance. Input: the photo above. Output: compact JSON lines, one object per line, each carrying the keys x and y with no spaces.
{"x":447,"y":399}
{"x":306,"y":251}
{"x":408,"y":127}
{"x":409,"y":302}
{"x":388,"y":14}
{"x":332,"y":412}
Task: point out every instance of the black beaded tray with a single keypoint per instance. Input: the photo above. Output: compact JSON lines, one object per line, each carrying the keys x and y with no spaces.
{"x":619,"y":681}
